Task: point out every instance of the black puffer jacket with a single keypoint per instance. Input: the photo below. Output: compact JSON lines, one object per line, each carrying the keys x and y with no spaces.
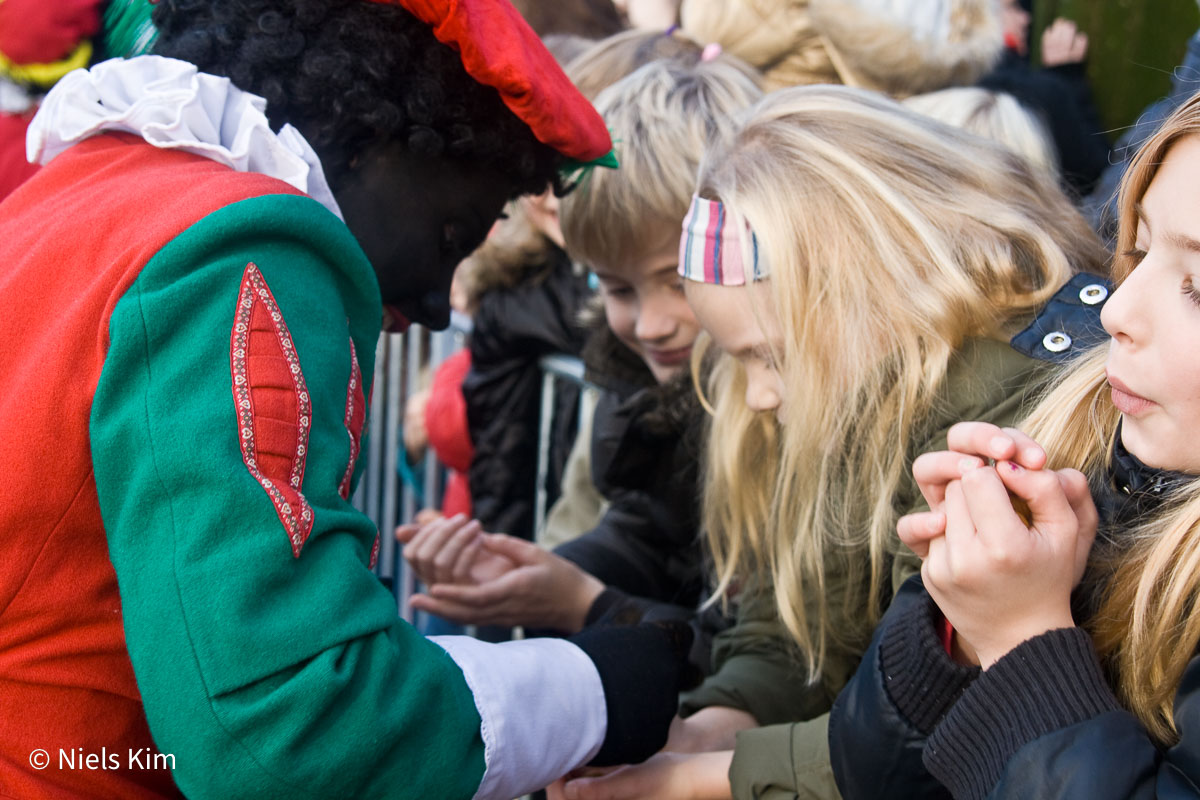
{"x":1042,"y":722}
{"x":513,"y":328}
{"x":646,"y":452}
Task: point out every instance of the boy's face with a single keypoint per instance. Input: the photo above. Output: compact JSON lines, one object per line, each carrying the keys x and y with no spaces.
{"x":646,"y":309}
{"x":416,"y":218}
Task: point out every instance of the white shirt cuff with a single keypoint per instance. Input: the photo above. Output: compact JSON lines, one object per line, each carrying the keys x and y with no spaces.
{"x":542,"y":709}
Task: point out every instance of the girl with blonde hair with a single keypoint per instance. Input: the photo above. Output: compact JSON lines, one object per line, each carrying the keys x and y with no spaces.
{"x":862,"y":269}
{"x":1081,"y":611}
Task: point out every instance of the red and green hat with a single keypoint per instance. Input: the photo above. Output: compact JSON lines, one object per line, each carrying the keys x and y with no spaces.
{"x":42,"y":40}
{"x":499,"y":49}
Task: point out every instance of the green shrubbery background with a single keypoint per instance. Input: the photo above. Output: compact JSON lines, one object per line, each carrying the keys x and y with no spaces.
{"x":1134,"y":46}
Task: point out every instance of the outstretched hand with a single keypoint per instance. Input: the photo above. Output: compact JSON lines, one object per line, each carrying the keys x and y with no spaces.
{"x":511,"y":582}
{"x":450,"y":550}
{"x":998,"y":578}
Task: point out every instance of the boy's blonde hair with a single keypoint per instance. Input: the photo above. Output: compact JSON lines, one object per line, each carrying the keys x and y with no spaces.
{"x":890,"y":239}
{"x":661,"y":118}
{"x":609,"y":60}
{"x":1147,"y":627}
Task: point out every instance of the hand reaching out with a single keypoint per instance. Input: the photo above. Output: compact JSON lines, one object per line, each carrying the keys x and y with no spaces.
{"x":711,"y":728}
{"x":1063,"y":43}
{"x":478,"y":578}
{"x":450,"y":550}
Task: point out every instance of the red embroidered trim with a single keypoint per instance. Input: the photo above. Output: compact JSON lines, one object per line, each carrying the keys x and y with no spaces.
{"x":356,"y":414}
{"x":273,"y":425}
{"x":374,"y":552}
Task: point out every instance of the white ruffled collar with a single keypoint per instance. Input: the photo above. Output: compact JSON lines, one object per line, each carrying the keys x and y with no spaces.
{"x":173,"y":105}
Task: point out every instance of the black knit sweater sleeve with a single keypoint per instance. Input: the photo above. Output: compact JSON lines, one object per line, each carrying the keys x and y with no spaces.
{"x":921,"y":678}
{"x":1048,"y":683}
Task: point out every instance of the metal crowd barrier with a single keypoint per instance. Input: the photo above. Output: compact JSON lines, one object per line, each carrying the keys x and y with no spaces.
{"x":381,"y":494}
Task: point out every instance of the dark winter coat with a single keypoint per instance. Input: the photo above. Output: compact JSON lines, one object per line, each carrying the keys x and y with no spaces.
{"x":1042,"y":722}
{"x":646,"y":452}
{"x":513,"y":328}
{"x":1062,"y":98}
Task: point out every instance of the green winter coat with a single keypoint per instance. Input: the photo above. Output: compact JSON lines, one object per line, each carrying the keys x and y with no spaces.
{"x":756,"y":668}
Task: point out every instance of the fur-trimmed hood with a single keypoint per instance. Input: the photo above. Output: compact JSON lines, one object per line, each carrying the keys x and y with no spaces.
{"x":905,"y":47}
{"x":514,"y":253}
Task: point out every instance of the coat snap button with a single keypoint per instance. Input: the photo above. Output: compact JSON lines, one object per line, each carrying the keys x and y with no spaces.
{"x":1093,"y":293}
{"x":1056,"y":342}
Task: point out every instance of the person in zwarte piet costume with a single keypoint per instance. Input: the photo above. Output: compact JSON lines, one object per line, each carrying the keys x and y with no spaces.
{"x":194,"y":282}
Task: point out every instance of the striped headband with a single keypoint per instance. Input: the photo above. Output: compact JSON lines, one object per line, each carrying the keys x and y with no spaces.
{"x":711,"y":248}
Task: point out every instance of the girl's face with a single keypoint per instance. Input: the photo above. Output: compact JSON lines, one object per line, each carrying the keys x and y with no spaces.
{"x":542,"y":211}
{"x":1154,"y":320}
{"x":741,"y":321}
{"x":646,"y":309}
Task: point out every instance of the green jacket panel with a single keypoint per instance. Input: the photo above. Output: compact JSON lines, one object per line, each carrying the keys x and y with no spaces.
{"x":262,"y":656}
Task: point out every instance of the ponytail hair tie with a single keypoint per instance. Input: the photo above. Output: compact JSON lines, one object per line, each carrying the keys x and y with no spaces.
{"x":711,"y":51}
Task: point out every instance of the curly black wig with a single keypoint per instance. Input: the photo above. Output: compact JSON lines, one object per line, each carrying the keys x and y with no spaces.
{"x":350,"y":73}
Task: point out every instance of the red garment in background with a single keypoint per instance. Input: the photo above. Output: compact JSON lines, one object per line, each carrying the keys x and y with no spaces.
{"x":446,"y":426}
{"x":14,"y":169}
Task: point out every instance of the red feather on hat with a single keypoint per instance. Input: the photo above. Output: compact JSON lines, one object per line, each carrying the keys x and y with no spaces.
{"x":499,"y":49}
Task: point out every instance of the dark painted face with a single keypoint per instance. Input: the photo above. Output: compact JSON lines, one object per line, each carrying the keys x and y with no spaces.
{"x":416,"y":218}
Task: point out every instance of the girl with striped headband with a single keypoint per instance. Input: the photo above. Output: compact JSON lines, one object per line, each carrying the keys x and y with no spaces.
{"x":861,"y":270}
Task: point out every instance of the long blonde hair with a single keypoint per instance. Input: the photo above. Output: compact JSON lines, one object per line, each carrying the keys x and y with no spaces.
{"x":890,"y":239}
{"x":1147,"y":627}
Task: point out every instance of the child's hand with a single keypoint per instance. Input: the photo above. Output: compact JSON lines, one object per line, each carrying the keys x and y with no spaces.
{"x":665,"y":776}
{"x":971,"y":445}
{"x":539,"y":589}
{"x":998,"y":581}
{"x":1063,"y":43}
{"x":450,"y":550}
{"x":711,"y":728}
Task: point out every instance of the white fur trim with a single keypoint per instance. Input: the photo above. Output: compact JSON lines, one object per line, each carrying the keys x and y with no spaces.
{"x":172,"y":105}
{"x":542,"y":709}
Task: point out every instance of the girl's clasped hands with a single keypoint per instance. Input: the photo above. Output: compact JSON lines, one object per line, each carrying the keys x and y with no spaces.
{"x":1000,"y":575}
